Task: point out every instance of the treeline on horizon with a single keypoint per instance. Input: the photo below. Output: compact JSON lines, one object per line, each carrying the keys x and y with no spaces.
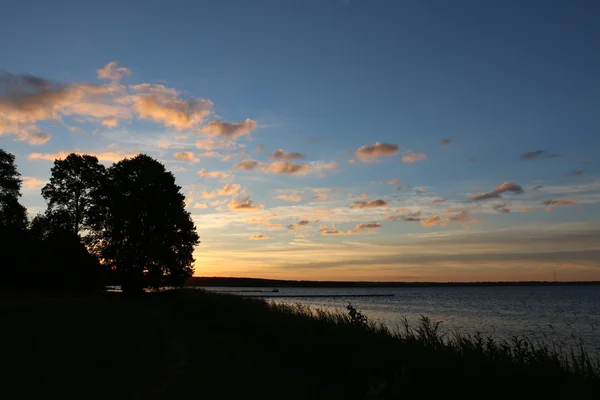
{"x":259,"y":282}
{"x":123,"y":225}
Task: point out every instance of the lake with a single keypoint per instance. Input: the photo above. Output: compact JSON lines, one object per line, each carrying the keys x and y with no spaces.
{"x":563,"y":314}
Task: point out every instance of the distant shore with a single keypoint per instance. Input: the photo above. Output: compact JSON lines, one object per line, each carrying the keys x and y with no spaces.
{"x":276,"y":283}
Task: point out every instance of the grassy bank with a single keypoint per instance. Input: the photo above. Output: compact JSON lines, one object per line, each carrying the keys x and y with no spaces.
{"x":193,"y":344}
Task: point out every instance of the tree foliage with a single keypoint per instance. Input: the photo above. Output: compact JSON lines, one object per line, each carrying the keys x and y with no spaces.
{"x":71,"y":192}
{"x":12,"y":214}
{"x":147,"y":235}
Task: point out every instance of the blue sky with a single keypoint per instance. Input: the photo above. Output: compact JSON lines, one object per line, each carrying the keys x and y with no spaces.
{"x":211,"y":86}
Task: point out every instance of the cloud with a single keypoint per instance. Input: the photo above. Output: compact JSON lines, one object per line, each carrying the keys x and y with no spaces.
{"x":410,"y":157}
{"x":420,"y":191}
{"x":505,"y":187}
{"x":537,"y":187}
{"x":532,"y":155}
{"x":372,"y":225}
{"x":110,"y":122}
{"x":445,"y":142}
{"x":212,"y":174}
{"x":30,"y":182}
{"x":76,"y":130}
{"x":369,"y":204}
{"x":230,"y":189}
{"x":283,"y":167}
{"x":376,"y":150}
{"x":37,"y":138}
{"x":502,"y":208}
{"x":292,"y":198}
{"x":351,"y":162}
{"x":200,"y":205}
{"x":299,"y":235}
{"x":577,"y":172}
{"x":227,"y":129}
{"x":319,"y":196}
{"x":325,"y":230}
{"x":438,"y":201}
{"x":392,"y":182}
{"x":527,"y":209}
{"x":112,"y":72}
{"x":211,"y":144}
{"x":564,"y":202}
{"x":25,"y":100}
{"x":170,"y":110}
{"x":210,"y":154}
{"x":244,"y":204}
{"x":260,"y":147}
{"x":111,"y":156}
{"x":431,"y":221}
{"x":186,"y":156}
{"x":259,"y":236}
{"x":285,"y":156}
{"x":248,"y":165}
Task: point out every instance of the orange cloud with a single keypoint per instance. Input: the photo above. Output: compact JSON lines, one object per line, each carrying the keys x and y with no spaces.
{"x":420,"y":190}
{"x":212,"y":174}
{"x":227,"y":129}
{"x":110,"y":122}
{"x":259,"y":236}
{"x":439,"y":201}
{"x":392,"y":182}
{"x":230,"y":189}
{"x":527,"y":209}
{"x":369,"y":204}
{"x":171,"y":111}
{"x":410,"y":157}
{"x":376,"y":150}
{"x":31,"y":182}
{"x":245,"y":204}
{"x":200,"y":205}
{"x":186,"y":156}
{"x":292,"y":198}
{"x":111,"y":156}
{"x":285,"y":156}
{"x":431,"y":221}
{"x":112,"y":72}
{"x":319,"y":196}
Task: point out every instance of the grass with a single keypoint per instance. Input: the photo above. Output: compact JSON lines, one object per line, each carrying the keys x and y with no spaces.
{"x":193,"y":344}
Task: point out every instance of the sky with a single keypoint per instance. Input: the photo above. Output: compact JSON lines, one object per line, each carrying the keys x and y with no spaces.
{"x":331,"y":139}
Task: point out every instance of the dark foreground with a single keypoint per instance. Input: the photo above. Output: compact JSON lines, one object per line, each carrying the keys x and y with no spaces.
{"x":198,"y":345}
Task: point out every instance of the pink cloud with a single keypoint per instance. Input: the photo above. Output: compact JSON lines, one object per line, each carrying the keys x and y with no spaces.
{"x":112,"y":72}
{"x":438,"y":201}
{"x":565,"y":202}
{"x":410,"y":157}
{"x":292,"y":198}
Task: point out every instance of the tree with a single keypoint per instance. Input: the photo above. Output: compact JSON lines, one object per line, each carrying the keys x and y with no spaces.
{"x":12,"y":214}
{"x":74,"y":184}
{"x":147,"y":237}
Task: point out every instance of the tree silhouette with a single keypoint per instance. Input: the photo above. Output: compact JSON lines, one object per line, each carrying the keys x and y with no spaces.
{"x":147,"y":235}
{"x":12,"y":214}
{"x":71,"y":192}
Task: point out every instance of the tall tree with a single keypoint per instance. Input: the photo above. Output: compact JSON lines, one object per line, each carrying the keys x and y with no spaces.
{"x":147,"y":235}
{"x":74,"y":183}
{"x":12,"y":214}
